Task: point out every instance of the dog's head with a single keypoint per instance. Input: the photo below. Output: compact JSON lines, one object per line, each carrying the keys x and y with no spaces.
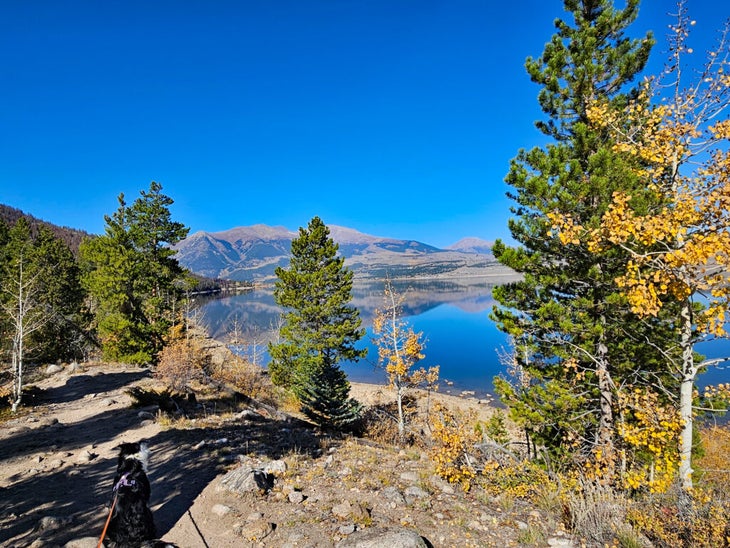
{"x":137,"y":451}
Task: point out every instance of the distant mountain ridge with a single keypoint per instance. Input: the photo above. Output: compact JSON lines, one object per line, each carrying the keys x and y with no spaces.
{"x":70,"y":236}
{"x":252,"y":253}
{"x":472,"y":245}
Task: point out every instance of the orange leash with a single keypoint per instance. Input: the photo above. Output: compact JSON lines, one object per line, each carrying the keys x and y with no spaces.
{"x":106,"y":525}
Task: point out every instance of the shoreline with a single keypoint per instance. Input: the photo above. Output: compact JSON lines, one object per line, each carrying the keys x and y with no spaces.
{"x":376,"y":394}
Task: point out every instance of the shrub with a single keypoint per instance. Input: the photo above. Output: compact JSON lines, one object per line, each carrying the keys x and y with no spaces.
{"x":713,"y":467}
{"x":244,"y":377}
{"x":182,"y":362}
{"x":380,"y":422}
{"x":703,"y":523}
{"x":454,"y":436}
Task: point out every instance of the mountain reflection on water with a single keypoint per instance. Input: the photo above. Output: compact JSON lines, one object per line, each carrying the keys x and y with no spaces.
{"x":453,"y":315}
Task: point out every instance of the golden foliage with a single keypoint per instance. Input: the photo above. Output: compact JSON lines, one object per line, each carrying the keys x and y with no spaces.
{"x":678,"y":246}
{"x":182,"y":362}
{"x":703,"y":524}
{"x":454,"y":435}
{"x":241,"y":375}
{"x":713,"y":467}
{"x":650,"y":431}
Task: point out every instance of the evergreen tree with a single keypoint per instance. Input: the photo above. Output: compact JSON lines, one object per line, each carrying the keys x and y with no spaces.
{"x":320,"y":327}
{"x":39,"y":296}
{"x":21,"y":301}
{"x":64,"y":336}
{"x":131,"y":273}
{"x":575,"y":335}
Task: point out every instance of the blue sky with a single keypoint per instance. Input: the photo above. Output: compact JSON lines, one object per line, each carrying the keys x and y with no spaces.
{"x":393,"y":117}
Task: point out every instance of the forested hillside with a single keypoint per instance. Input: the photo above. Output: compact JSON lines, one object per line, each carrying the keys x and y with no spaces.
{"x":72,"y":237}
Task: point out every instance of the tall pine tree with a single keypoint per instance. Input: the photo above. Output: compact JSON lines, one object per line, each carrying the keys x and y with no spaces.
{"x":320,"y":328}
{"x":567,"y":318}
{"x":131,"y":273}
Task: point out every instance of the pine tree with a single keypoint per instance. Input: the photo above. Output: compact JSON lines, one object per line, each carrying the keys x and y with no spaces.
{"x":680,"y":248}
{"x":131,"y":273}
{"x":566,"y":313}
{"x":320,"y":327}
{"x":64,"y":336}
{"x":39,"y":296}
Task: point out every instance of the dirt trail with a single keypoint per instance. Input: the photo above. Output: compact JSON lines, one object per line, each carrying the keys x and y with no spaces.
{"x":58,"y":459}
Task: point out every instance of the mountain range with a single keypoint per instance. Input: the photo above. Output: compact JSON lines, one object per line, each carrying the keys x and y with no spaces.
{"x":252,"y":253}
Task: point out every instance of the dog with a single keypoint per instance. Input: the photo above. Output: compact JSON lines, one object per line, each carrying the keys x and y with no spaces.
{"x":131,"y":524}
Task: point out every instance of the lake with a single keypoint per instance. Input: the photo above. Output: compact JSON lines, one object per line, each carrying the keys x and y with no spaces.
{"x":452,"y":314}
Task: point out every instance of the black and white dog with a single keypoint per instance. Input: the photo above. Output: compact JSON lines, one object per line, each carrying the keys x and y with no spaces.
{"x":131,"y":524}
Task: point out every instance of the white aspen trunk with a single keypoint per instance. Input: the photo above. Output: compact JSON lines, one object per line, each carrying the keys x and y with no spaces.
{"x":396,"y":349}
{"x":605,"y":423}
{"x":401,"y":417}
{"x":686,"y":389}
{"x":18,"y":346}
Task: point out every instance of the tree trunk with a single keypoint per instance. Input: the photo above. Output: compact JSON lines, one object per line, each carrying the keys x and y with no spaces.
{"x":401,"y":417}
{"x":18,"y":374}
{"x":686,"y":389}
{"x":605,"y":422}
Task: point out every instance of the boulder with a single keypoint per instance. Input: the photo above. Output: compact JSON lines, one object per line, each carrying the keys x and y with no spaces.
{"x":378,"y":537}
{"x":246,"y":479}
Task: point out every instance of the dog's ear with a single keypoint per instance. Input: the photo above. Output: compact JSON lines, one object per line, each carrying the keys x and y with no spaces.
{"x":143,"y":455}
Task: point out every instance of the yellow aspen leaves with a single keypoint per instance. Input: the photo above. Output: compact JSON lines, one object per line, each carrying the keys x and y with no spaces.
{"x":651,"y":430}
{"x":454,"y":437}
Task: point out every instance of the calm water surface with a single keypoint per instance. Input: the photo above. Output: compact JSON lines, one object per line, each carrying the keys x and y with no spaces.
{"x":453,"y":316}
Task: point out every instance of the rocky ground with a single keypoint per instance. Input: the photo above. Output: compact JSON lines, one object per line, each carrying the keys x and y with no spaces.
{"x":57,"y":461}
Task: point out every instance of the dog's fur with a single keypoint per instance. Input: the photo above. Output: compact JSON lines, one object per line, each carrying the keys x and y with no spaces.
{"x":131,"y":525}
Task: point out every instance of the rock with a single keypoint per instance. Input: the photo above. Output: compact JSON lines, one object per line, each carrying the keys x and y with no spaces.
{"x":248,"y":414}
{"x":145,"y":415}
{"x":86,"y":457}
{"x":393,"y":495}
{"x":409,"y":476}
{"x":296,"y":497}
{"x":55,"y":463}
{"x":86,"y":542}
{"x":276,"y":467}
{"x":342,"y":510}
{"x":561,"y":542}
{"x":475,"y":525}
{"x":346,"y":530}
{"x":221,"y":509}
{"x":378,"y":537}
{"x":255,"y":531}
{"x":51,"y":522}
{"x":359,"y":513}
{"x":245,"y":479}
{"x":346,"y":510}
{"x":53,"y":369}
{"x":415,"y":492}
{"x":442,"y":485}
